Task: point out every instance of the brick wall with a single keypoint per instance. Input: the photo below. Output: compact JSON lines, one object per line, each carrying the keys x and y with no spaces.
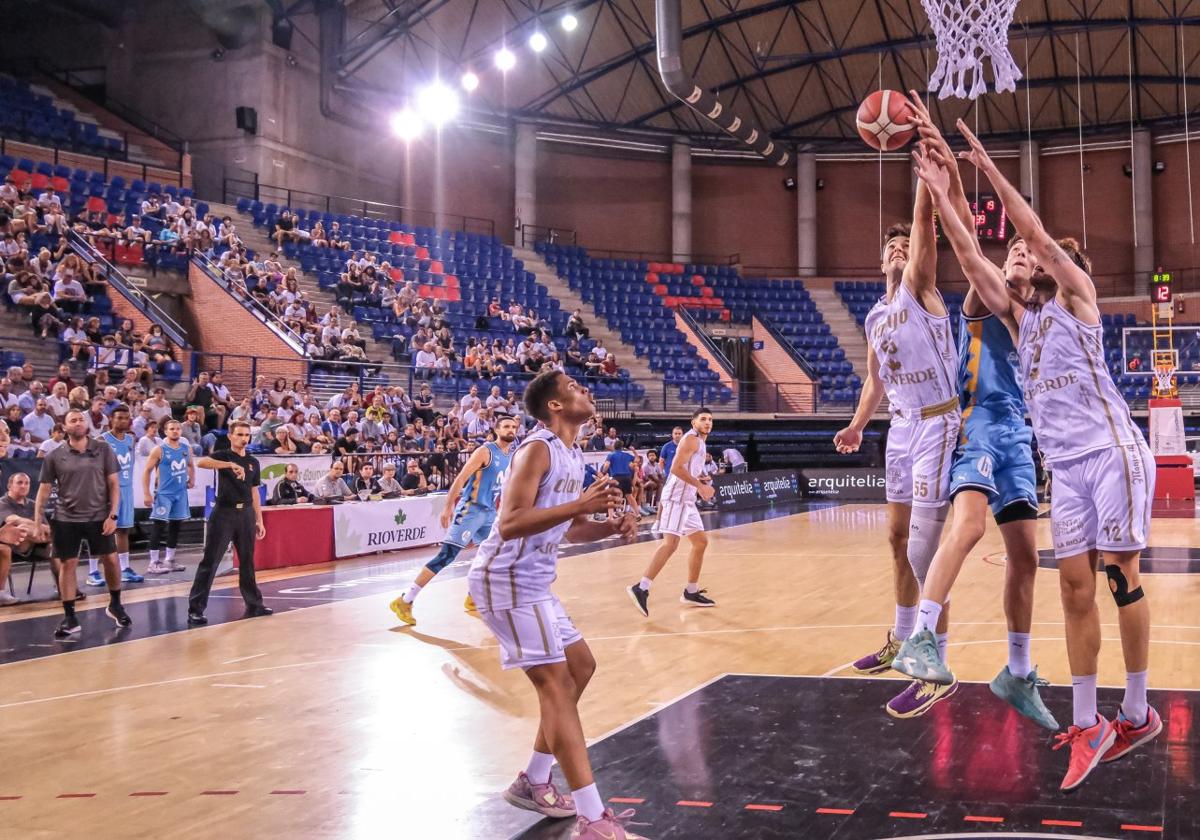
{"x":122,"y":308}
{"x":784,"y":384}
{"x":221,"y":325}
{"x":704,"y":353}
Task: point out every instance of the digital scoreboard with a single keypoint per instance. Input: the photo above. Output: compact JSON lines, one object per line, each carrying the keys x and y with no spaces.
{"x":991,"y":221}
{"x":1160,"y":287}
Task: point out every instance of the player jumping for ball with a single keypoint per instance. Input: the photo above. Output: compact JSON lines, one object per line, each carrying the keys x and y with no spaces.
{"x":1103,"y":471}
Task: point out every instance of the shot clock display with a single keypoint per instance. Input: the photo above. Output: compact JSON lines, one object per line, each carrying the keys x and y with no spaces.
{"x":1160,"y":287}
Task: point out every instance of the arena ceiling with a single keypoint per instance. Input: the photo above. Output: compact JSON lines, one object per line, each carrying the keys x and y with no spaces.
{"x":800,"y":66}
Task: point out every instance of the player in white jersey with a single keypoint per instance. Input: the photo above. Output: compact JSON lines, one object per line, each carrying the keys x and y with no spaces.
{"x":541,"y":504}
{"x":1103,"y":471}
{"x":911,"y":356}
{"x":678,"y":516}
{"x":993,"y":466}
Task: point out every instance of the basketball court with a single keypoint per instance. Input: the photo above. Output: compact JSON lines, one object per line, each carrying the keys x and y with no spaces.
{"x":330,"y":720}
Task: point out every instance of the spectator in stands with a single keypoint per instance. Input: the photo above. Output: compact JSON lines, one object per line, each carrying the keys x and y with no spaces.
{"x":57,"y":401}
{"x":68,"y":291}
{"x":38,"y":423}
{"x":575,"y":328}
{"x":413,"y":483}
{"x":53,"y":442}
{"x":596,"y":442}
{"x":7,"y":397}
{"x":609,"y":369}
{"x":653,"y":478}
{"x":332,"y":485}
{"x":77,"y":341}
{"x":710,"y":467}
{"x":365,"y":483}
{"x":282,"y":444}
{"x":346,"y":447}
{"x":148,"y":440}
{"x":425,"y":362}
{"x":17,"y":508}
{"x":611,"y":440}
{"x":285,"y":230}
{"x":96,"y":418}
{"x":135,"y":234}
{"x":336,"y":238}
{"x":152,"y":208}
{"x":191,"y":430}
{"x":317,"y":235}
{"x":732,"y":460}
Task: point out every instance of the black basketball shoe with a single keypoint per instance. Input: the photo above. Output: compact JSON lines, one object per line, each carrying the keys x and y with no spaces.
{"x":67,"y":628}
{"x":640,"y":598}
{"x":696,"y":599}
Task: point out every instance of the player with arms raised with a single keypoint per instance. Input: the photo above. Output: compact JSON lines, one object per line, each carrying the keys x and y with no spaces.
{"x":911,"y":357}
{"x":510,"y":581}
{"x":1103,"y":471}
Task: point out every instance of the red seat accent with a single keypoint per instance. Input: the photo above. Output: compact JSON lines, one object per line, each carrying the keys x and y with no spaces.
{"x":96,"y":204}
{"x":660,"y":289}
{"x":61,"y":185}
{"x":652,"y":277}
{"x":39,"y":181}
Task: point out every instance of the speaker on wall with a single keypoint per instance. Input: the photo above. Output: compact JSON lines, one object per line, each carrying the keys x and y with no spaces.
{"x":281,"y":33}
{"x":247,"y":119}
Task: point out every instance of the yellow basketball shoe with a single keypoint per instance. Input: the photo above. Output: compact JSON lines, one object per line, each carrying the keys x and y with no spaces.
{"x":403,"y":611}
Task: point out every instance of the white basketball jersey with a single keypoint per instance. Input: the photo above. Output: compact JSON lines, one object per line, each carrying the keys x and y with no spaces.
{"x":676,"y":491}
{"x":918,"y":362}
{"x":514,"y":573}
{"x":1075,"y":406}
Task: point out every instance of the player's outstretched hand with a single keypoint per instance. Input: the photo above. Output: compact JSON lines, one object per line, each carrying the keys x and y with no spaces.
{"x":847,"y":440}
{"x":602,"y":494}
{"x":977,"y":155}
{"x":935,"y":176}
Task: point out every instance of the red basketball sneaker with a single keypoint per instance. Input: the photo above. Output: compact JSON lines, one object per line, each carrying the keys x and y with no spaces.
{"x":1130,"y":737}
{"x":1088,"y":746}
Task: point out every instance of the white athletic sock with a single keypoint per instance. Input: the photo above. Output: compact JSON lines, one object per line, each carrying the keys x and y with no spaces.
{"x":588,"y":802}
{"x":124,"y":560}
{"x":1134,"y":705}
{"x":645,"y":584}
{"x":153,"y":556}
{"x":93,"y":566}
{"x":943,"y":643}
{"x":411,"y":595}
{"x":906,"y":619}
{"x":538,"y":770}
{"x":1019,"y":662}
{"x":692,"y":588}
{"x":170,"y":555}
{"x":1083,"y":691}
{"x":928,"y":613}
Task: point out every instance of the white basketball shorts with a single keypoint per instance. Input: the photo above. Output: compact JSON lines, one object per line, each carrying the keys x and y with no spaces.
{"x":535,"y":634}
{"x":1102,"y":500}
{"x":679,"y":518}
{"x":918,"y":458}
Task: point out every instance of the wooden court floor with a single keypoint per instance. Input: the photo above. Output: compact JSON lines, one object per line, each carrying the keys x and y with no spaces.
{"x":334,"y":722}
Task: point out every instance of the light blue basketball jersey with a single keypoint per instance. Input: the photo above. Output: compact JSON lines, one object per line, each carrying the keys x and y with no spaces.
{"x":123,"y":449}
{"x":987,"y":370}
{"x":173,"y":469}
{"x":483,"y":488}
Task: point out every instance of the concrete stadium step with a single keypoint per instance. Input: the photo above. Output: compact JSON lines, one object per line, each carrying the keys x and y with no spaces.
{"x":569,"y":300}
{"x":843,"y":326}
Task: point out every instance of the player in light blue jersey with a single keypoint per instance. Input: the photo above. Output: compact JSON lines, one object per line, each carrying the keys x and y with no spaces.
{"x":992,"y":466}
{"x":469,"y":513}
{"x":122,"y":444}
{"x":172,"y":460}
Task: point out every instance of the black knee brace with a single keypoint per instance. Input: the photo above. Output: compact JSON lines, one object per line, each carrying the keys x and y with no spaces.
{"x":443,"y":558}
{"x":1120,"y":586}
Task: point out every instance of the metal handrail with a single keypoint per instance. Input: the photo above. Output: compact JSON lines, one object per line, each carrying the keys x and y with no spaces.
{"x":269,"y":319}
{"x":136,"y":297}
{"x":532,"y":234}
{"x":791,"y":350}
{"x":75,"y":158}
{"x":235,"y":188}
{"x":705,"y":339}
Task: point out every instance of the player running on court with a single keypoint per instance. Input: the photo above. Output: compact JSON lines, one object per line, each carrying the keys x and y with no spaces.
{"x":911,"y":357}
{"x":679,"y":517}
{"x":1103,"y":471}
{"x":510,"y":578}
{"x":469,"y":512}
{"x":993,"y":466}
{"x":176,"y":473}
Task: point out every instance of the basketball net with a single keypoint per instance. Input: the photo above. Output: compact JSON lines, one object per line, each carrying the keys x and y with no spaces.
{"x":1164,"y":380}
{"x":967,"y":32}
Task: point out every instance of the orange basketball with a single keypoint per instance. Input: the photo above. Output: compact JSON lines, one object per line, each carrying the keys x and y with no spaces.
{"x":885,"y":120}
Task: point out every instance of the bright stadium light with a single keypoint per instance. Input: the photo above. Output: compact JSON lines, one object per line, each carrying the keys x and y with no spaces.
{"x":505,"y":60}
{"x":538,"y":42}
{"x":569,"y":22}
{"x":470,"y":81}
{"x":407,"y":125}
{"x":438,"y":104}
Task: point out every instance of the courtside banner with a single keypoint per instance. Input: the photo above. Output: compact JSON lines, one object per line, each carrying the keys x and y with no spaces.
{"x":852,"y":484}
{"x":737,"y":491}
{"x":388,"y":525}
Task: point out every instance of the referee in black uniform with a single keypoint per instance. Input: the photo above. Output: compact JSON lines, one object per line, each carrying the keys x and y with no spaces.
{"x":236,"y":518}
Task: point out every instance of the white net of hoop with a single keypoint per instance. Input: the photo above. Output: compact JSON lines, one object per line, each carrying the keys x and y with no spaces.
{"x":1164,"y":379}
{"x":968,"y":32}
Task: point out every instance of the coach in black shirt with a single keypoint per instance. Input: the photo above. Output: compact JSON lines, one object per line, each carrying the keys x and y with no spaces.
{"x":236,"y":518}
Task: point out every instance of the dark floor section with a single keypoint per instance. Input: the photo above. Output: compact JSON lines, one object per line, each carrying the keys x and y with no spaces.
{"x":813,"y":758}
{"x":1162,"y":560}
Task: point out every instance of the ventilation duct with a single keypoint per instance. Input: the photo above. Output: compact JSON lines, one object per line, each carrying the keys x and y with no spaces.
{"x":707,"y":105}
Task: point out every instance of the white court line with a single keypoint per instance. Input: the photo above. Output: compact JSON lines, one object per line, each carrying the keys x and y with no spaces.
{"x":964,"y":682}
{"x":236,"y":685}
{"x":243,"y":658}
